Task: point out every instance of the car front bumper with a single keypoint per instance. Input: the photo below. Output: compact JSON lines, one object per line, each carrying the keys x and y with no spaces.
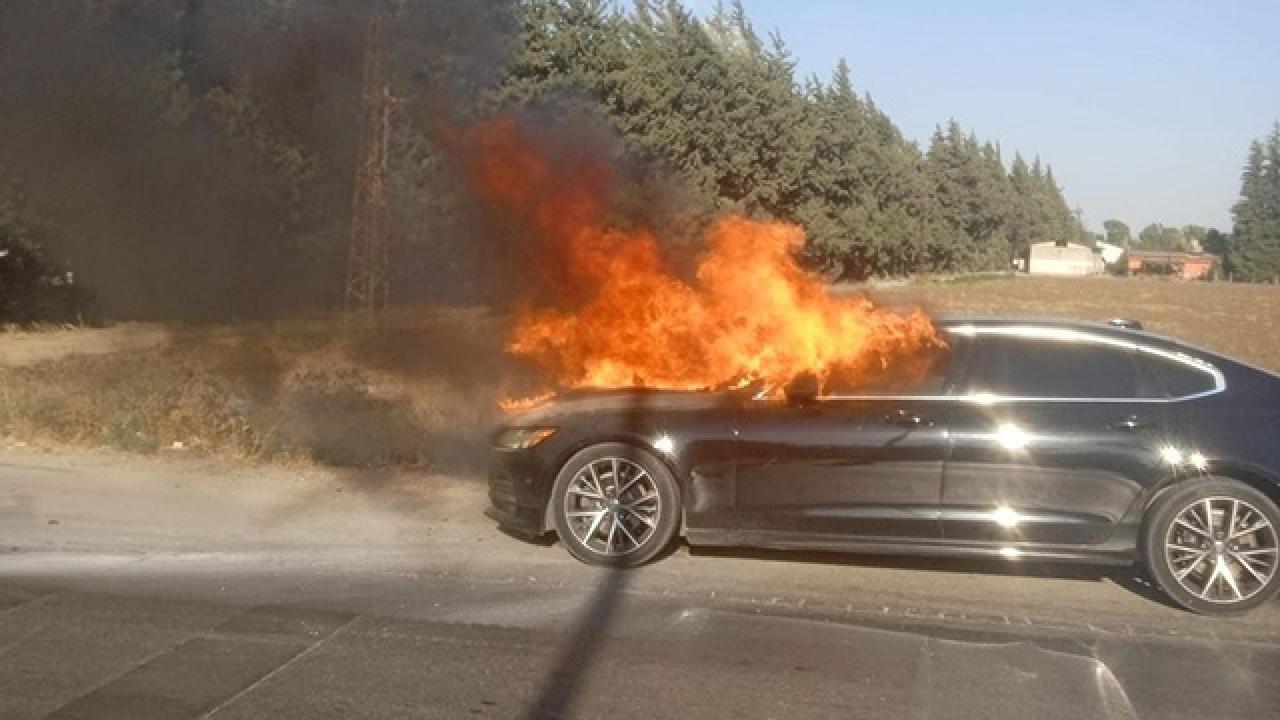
{"x":517,"y":492}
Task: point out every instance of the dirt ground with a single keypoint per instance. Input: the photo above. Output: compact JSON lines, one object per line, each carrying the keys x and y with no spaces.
{"x":28,"y":348}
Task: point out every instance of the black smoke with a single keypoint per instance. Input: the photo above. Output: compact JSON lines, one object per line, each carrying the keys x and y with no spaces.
{"x":193,"y":159}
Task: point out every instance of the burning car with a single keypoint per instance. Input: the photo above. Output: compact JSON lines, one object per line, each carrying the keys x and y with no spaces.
{"x":1051,"y":440}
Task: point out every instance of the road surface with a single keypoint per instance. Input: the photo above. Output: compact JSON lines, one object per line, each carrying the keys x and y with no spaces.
{"x":179,"y":588}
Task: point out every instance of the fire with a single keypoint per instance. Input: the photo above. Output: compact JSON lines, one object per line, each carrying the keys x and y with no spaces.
{"x":606,"y":309}
{"x":515,"y":405}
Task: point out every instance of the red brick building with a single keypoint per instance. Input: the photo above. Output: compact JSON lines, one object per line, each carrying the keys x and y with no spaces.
{"x":1186,"y":265}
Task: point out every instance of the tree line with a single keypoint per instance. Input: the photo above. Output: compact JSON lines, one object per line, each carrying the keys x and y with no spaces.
{"x":720,"y":106}
{"x":196,"y":158}
{"x":1160,"y":237}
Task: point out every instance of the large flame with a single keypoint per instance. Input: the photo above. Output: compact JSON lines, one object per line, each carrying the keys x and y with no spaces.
{"x":617,"y":315}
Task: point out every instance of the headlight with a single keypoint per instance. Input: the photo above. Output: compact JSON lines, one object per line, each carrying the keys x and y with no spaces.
{"x":522,"y":438}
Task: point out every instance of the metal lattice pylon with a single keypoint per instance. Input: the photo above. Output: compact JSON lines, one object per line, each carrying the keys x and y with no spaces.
{"x":368,"y":256}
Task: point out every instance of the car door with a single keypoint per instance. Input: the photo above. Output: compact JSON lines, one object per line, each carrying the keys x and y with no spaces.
{"x":1060,"y":433}
{"x":857,"y":464}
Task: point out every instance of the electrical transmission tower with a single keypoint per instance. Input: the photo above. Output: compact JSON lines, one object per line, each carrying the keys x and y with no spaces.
{"x":368,"y":255}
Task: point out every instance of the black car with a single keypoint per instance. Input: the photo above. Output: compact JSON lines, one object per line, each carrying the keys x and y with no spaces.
{"x":1047,"y":440}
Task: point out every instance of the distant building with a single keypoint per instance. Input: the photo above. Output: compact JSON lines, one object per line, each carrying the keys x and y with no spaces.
{"x":1185,"y":265}
{"x":1110,"y":253}
{"x":1050,"y":258}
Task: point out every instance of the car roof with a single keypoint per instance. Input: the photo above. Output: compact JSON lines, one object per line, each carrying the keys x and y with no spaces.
{"x":1131,"y":334}
{"x":1145,"y":337}
{"x":1112,"y":327}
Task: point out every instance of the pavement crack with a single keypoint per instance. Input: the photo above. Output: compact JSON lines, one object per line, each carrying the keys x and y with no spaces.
{"x":924,"y":675}
{"x":13,"y":609}
{"x":18,"y":641}
{"x":279,"y":669}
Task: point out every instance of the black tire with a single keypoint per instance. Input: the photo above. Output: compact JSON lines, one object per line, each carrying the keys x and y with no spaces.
{"x":654,"y":538}
{"x":1220,"y":496}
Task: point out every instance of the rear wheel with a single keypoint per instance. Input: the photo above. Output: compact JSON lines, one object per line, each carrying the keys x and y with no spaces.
{"x":1212,"y":545}
{"x":614,"y":504}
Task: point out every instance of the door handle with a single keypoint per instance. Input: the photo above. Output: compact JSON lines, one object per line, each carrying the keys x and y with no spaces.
{"x":905,"y":419}
{"x":1130,"y":423}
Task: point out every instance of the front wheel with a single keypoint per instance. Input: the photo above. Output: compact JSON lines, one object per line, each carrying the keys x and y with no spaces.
{"x":1212,"y":546}
{"x":614,"y":504}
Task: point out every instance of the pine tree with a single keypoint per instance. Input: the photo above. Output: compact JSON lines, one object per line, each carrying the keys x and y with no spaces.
{"x":975,"y":196}
{"x":765,"y":122}
{"x":833,"y":202}
{"x":1021,"y":218}
{"x":568,"y":49}
{"x":1256,"y":240}
{"x":1062,"y":223}
{"x":866,"y":203}
{"x":674,"y":98}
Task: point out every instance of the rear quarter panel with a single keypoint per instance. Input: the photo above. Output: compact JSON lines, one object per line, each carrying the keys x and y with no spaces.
{"x":1238,"y":430}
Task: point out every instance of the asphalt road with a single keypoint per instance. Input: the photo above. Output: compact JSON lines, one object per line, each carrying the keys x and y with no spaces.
{"x":190,"y":589}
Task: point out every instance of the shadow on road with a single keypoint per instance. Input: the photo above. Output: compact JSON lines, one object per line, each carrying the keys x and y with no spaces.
{"x":585,"y":640}
{"x":1131,"y":577}
{"x":590,"y":631}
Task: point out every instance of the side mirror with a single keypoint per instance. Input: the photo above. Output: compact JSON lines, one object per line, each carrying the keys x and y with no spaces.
{"x":803,"y":389}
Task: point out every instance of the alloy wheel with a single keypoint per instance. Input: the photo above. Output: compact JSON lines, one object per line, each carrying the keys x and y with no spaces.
{"x":1221,"y":549}
{"x":612,"y":506}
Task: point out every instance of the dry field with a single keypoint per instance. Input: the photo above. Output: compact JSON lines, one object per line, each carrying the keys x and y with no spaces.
{"x":421,"y":387}
{"x":1235,"y":319}
{"x":417,"y":388}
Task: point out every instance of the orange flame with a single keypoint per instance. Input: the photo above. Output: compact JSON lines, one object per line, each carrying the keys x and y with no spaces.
{"x":617,"y":315}
{"x":515,"y":405}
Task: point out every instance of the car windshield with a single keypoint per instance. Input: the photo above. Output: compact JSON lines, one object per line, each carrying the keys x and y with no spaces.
{"x":926,"y":375}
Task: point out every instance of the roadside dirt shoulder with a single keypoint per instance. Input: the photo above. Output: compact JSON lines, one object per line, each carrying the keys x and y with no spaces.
{"x":152,"y":504}
{"x":27,"y":348}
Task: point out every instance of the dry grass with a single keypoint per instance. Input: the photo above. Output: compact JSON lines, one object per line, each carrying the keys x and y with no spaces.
{"x":418,"y":388}
{"x":33,"y":345}
{"x":1235,"y":319}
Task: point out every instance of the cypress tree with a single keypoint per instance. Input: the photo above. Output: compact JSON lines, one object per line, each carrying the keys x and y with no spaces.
{"x":1256,"y":240}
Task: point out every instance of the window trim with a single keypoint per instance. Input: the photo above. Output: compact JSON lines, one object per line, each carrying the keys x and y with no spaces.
{"x":1061,"y":334}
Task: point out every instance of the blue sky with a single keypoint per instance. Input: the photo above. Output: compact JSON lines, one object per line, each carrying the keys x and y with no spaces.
{"x":1144,"y":109}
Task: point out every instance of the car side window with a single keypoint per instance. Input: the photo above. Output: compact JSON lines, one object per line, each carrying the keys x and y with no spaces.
{"x":1178,"y":379}
{"x":1056,"y":368}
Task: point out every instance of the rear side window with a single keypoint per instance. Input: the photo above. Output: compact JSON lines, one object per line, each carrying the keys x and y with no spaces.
{"x":1052,"y":368}
{"x":1178,"y":379}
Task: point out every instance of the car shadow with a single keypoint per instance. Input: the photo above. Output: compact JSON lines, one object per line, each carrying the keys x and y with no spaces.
{"x":550,"y":539}
{"x":1133,"y":578}
{"x":543,"y":540}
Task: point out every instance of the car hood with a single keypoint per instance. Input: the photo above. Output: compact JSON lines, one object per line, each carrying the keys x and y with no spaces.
{"x":639,"y":400}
